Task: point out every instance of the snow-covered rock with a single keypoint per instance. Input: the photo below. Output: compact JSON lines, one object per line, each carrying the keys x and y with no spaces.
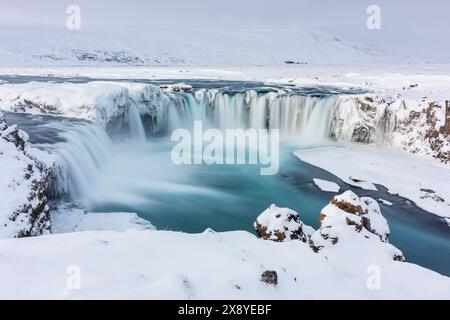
{"x":106,"y":103}
{"x":416,"y":126}
{"x":281,"y":224}
{"x":23,"y":181}
{"x":176,"y":87}
{"x":348,"y":218}
{"x":355,"y":118}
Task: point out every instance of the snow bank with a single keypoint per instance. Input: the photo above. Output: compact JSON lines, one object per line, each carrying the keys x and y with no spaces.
{"x":173,"y":265}
{"x":325,"y":185}
{"x":66,"y":219}
{"x":420,"y":179}
{"x":23,"y":181}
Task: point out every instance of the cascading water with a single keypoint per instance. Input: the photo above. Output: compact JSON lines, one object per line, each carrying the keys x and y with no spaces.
{"x":80,"y":159}
{"x":137,"y":130}
{"x":87,"y":148}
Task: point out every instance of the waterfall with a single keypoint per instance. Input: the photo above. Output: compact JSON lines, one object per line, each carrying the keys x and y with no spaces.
{"x":87,"y":148}
{"x":319,"y":119}
{"x":79,"y":159}
{"x":258,"y":112}
{"x":229,"y":111}
{"x":293,"y":115}
{"x":137,"y":130}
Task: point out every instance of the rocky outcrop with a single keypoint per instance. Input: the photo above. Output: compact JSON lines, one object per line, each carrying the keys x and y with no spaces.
{"x":349,"y":226}
{"x":355,"y":118}
{"x":418,"y":128}
{"x":414,"y":126}
{"x":281,"y":224}
{"x":351,"y":218}
{"x":23,"y":209}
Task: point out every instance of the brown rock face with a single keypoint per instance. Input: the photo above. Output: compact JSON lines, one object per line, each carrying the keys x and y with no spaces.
{"x":280,"y":224}
{"x":347,"y":207}
{"x":263,"y":233}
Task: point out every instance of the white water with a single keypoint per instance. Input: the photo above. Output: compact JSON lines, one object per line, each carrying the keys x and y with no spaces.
{"x":81,"y":158}
{"x":137,"y":130}
{"x":303,"y":116}
{"x":88,"y":149}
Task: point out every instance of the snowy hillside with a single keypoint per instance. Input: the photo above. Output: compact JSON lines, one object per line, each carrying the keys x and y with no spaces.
{"x":27,"y":46}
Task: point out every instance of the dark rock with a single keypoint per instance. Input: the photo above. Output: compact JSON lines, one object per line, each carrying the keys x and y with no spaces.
{"x":270,"y":277}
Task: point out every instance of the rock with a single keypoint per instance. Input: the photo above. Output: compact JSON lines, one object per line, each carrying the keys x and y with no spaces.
{"x":355,"y":119}
{"x":270,"y":277}
{"x":348,"y":214}
{"x":415,"y":126}
{"x":364,"y":212}
{"x":14,"y":135}
{"x":281,"y":224}
{"x":176,"y":87}
{"x":23,"y":211}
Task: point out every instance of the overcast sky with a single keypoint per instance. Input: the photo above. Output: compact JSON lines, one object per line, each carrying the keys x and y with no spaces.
{"x":408,"y":26}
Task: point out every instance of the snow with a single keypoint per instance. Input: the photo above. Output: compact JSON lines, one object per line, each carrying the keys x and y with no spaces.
{"x":281,"y":224}
{"x":150,"y":264}
{"x":35,"y":46}
{"x":327,"y":186}
{"x":96,"y":101}
{"x":22,"y":183}
{"x":68,"y":219}
{"x":410,"y":176}
{"x":385,"y":202}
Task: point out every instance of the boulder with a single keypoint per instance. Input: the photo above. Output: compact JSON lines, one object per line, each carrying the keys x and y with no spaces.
{"x":281,"y":224}
{"x":353,"y":219}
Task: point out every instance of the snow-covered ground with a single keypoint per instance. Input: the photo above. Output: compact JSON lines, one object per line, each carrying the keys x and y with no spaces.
{"x":433,"y":80}
{"x":172,"y":265}
{"x":34,"y":46}
{"x":65,"y":218}
{"x":420,"y":179}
